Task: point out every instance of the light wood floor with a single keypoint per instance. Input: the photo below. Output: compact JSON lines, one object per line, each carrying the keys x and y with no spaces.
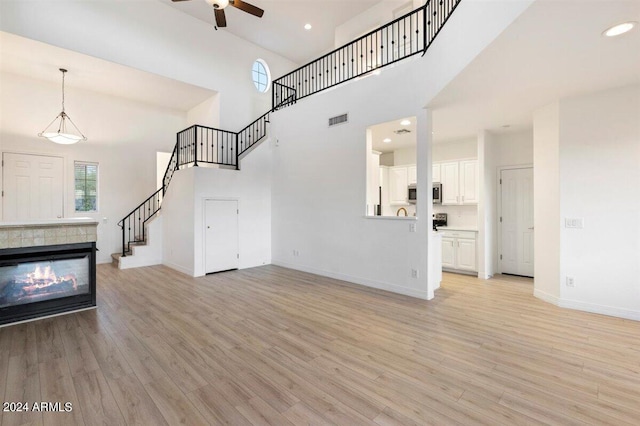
{"x":274,"y":346}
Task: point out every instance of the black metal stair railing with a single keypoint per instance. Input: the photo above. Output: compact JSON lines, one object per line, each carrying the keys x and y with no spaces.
{"x":134,"y":224}
{"x":195,"y":145}
{"x":401,"y":38}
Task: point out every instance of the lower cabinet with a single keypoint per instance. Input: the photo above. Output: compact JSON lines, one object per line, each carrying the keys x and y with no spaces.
{"x":459,"y":250}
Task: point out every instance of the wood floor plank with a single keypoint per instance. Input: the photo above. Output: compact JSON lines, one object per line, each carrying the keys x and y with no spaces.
{"x":134,"y":402}
{"x":56,"y":386}
{"x":172,"y":403}
{"x":93,"y":391}
{"x":214,"y":406}
{"x":270,"y":345}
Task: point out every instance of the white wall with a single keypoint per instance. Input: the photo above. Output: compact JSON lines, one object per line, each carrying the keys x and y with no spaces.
{"x":207,"y":113}
{"x":178,"y":247}
{"x":370,"y":19}
{"x":319,"y":176}
{"x":123,"y":137}
{"x":487,"y":206}
{"x":514,"y":149}
{"x":455,"y":150}
{"x":404,"y":156}
{"x":600,"y":182}
{"x":546,"y":196}
{"x":183,"y":211}
{"x":154,"y":37}
{"x":251,"y":186}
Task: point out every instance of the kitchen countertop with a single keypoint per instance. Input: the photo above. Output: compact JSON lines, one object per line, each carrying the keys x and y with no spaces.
{"x":457,"y":228}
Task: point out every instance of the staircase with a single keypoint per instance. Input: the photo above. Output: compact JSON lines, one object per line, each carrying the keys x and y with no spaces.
{"x":402,"y":38}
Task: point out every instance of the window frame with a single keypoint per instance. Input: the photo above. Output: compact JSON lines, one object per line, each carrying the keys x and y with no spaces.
{"x":267,"y":74}
{"x":77,"y":163}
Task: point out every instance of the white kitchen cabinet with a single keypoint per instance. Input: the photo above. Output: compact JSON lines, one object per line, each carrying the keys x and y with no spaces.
{"x":435,"y":172}
{"x":398,"y":183}
{"x":469,"y":189}
{"x":459,"y":182}
{"x":449,"y":177}
{"x":412,"y":175}
{"x":448,"y":252}
{"x":459,"y":251}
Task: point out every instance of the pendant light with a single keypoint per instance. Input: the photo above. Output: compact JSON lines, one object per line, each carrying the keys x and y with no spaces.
{"x":61,"y":135}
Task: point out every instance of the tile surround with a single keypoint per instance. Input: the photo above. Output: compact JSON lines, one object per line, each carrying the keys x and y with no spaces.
{"x":46,"y":235}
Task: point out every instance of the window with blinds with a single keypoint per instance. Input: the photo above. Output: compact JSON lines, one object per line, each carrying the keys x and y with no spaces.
{"x":86,"y":186}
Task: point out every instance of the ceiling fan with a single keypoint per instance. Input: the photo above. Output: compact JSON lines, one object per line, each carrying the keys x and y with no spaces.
{"x":219,"y":5}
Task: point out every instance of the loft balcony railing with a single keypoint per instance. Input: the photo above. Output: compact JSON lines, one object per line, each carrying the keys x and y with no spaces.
{"x":401,"y":38}
{"x":195,"y":145}
{"x":406,"y":36}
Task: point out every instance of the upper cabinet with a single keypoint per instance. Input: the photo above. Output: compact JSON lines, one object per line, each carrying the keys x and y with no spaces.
{"x":398,"y":183}
{"x":469,"y":190}
{"x":412,"y":174}
{"x":459,"y":182}
{"x":435,"y":173}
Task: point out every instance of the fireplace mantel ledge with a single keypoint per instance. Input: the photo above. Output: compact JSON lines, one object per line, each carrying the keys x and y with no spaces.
{"x":78,"y":221}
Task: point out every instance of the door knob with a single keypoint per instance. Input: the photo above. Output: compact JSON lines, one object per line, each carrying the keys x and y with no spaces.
{"x":208,"y":227}
{"x":531,"y":228}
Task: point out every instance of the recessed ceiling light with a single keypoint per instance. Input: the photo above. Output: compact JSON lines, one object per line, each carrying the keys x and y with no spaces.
{"x":386,"y":140}
{"x":619,"y":29}
{"x":307,"y":27}
{"x":405,"y":122}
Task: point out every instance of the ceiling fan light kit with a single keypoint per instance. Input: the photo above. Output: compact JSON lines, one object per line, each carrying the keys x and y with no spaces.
{"x":62,"y":136}
{"x":220,"y":5}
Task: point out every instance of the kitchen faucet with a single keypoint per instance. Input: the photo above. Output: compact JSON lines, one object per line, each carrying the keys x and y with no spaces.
{"x":403,"y":209}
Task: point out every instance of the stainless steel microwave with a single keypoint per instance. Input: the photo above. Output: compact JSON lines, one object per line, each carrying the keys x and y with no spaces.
{"x":411,"y":194}
{"x":437,"y":193}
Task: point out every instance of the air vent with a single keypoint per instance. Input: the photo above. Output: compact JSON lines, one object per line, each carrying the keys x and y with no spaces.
{"x":401,"y":131}
{"x":338,"y":119}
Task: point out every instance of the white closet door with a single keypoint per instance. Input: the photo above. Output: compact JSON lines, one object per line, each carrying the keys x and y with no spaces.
{"x":221,"y":235}
{"x":33,"y":187}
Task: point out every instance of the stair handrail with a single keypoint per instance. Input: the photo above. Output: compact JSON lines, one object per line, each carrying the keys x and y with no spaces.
{"x":429,"y":19}
{"x":370,"y":52}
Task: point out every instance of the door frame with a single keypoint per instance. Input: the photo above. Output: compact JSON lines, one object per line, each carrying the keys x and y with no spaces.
{"x":499,"y":208}
{"x":40,"y":154}
{"x":204,"y":227}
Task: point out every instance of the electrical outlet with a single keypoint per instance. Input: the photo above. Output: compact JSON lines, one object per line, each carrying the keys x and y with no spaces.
{"x":296,"y":253}
{"x":570,"y":282}
{"x":574,"y":222}
{"x":412,"y":227}
{"x":414,"y":273}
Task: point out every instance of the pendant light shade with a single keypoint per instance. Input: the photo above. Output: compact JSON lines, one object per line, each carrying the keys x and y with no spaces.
{"x":57,"y":131}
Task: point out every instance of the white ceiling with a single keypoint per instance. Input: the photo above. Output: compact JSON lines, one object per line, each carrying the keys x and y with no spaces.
{"x":553,"y":50}
{"x":41,"y":61}
{"x":398,"y":141}
{"x":281,"y":29}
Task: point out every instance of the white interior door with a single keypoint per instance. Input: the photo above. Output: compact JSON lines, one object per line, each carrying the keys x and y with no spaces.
{"x":33,"y":187}
{"x":517,"y":222}
{"x":221,"y":235}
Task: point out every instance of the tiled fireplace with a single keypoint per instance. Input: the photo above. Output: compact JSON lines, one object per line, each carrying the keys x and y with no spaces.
{"x":42,"y":280}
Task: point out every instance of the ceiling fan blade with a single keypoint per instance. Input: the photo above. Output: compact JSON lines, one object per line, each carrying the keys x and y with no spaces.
{"x":221,"y":19}
{"x":249,"y":8}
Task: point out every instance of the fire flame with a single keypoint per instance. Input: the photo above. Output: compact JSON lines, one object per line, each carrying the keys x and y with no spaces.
{"x":45,"y":277}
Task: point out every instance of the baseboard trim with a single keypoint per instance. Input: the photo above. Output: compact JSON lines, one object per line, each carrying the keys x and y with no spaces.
{"x":600,"y":309}
{"x":358,"y":280}
{"x":550,"y":298}
{"x":577,"y":305}
{"x":179,"y":268}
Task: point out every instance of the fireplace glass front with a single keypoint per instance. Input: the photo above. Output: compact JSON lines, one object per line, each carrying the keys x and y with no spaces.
{"x":38,"y":281}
